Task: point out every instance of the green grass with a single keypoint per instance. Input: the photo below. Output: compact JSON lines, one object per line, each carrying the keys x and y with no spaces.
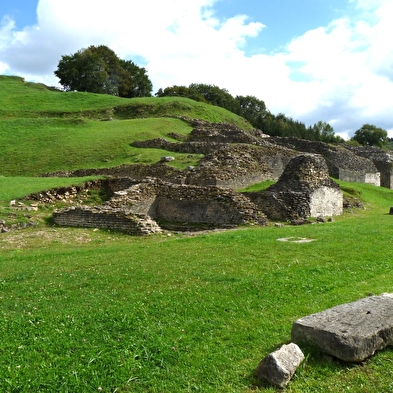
{"x":31,"y":100}
{"x":86,"y":311}
{"x":83,"y":309}
{"x":19,"y":187}
{"x":258,"y":186}
{"x":43,"y":130}
{"x":81,"y":144}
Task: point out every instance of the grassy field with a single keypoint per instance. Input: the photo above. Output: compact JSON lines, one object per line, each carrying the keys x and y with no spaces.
{"x":42,"y":130}
{"x":87,"y":311}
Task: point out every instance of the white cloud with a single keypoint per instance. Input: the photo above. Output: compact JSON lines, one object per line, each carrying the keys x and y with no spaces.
{"x":342,"y":73}
{"x":350,"y":64}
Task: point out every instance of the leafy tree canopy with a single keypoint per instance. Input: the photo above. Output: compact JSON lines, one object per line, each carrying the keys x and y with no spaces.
{"x":98,"y":69}
{"x":371,"y":135}
{"x":180,"y":91}
{"x":254,"y":110}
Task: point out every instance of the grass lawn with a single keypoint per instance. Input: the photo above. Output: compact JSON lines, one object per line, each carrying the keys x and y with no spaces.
{"x":84,"y":310}
{"x":81,"y":144}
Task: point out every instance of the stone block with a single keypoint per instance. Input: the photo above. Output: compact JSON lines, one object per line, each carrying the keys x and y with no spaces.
{"x":351,"y":332}
{"x":279,"y":366}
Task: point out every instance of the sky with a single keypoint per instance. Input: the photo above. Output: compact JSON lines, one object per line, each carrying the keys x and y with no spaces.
{"x":313,"y":60}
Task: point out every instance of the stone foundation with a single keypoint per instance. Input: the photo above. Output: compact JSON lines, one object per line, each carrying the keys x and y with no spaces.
{"x":114,"y":219}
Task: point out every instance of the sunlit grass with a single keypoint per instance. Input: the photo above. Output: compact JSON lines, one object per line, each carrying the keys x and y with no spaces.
{"x":84,"y":310}
{"x":178,"y":313}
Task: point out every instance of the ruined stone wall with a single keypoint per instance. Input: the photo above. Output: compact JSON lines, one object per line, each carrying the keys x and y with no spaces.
{"x":118,"y":220}
{"x":179,"y":147}
{"x":210,"y":205}
{"x":135,"y":171}
{"x":342,"y":163}
{"x":303,"y":190}
{"x":326,"y":202}
{"x":383,"y":160}
{"x":282,"y":205}
{"x":174,"y":206}
{"x":238,"y":166}
{"x":358,"y":177}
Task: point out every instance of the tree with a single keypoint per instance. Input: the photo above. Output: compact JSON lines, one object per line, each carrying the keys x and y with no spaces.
{"x":138,"y":83}
{"x":371,"y":135}
{"x":180,"y":91}
{"x":324,"y":132}
{"x":253,"y":110}
{"x":216,"y":96}
{"x":97,"y":69}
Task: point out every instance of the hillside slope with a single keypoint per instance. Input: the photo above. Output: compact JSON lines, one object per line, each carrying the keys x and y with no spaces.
{"x":44,"y":130}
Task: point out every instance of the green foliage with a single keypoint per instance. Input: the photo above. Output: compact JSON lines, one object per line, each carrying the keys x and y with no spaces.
{"x":254,"y":111}
{"x":324,"y":132}
{"x":180,"y":91}
{"x":371,"y":135}
{"x":97,"y":69}
{"x":216,"y":96}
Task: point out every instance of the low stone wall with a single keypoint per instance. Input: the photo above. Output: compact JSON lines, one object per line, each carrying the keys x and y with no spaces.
{"x":99,"y":217}
{"x":173,"y":206}
{"x":172,"y":203}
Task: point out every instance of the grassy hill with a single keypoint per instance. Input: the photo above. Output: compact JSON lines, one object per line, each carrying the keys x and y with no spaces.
{"x":86,"y":311}
{"x":44,"y":130}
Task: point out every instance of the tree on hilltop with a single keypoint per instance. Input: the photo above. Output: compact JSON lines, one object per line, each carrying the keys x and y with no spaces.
{"x":371,"y":135}
{"x":97,"y":69}
{"x":180,"y":91}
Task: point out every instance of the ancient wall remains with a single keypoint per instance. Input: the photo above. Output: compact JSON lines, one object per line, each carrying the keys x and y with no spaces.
{"x":342,"y":163}
{"x":383,"y":160}
{"x":173,"y":206}
{"x":100,"y":217}
{"x":303,"y":190}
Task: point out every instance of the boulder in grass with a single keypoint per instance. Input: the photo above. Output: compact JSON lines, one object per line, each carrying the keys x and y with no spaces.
{"x":351,"y":332}
{"x":279,"y":366}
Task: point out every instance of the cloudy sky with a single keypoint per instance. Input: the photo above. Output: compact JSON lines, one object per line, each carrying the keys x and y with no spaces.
{"x":309,"y":59}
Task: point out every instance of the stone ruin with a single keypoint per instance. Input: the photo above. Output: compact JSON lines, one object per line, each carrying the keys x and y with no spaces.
{"x":137,"y":209}
{"x":234,"y":159}
{"x":343,"y":162}
{"x":351,"y":332}
{"x":303,"y":190}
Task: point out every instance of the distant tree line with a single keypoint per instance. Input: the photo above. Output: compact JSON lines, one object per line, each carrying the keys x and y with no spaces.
{"x":254,"y":110}
{"x":97,"y":69}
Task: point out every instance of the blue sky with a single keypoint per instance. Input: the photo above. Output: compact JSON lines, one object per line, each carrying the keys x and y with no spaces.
{"x":283,"y":19}
{"x":309,"y":59}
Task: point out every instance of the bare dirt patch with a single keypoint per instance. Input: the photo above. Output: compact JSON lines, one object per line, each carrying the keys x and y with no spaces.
{"x":295,"y":239}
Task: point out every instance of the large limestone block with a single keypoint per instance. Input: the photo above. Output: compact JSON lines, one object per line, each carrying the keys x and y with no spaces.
{"x":279,"y":366}
{"x":351,"y":332}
